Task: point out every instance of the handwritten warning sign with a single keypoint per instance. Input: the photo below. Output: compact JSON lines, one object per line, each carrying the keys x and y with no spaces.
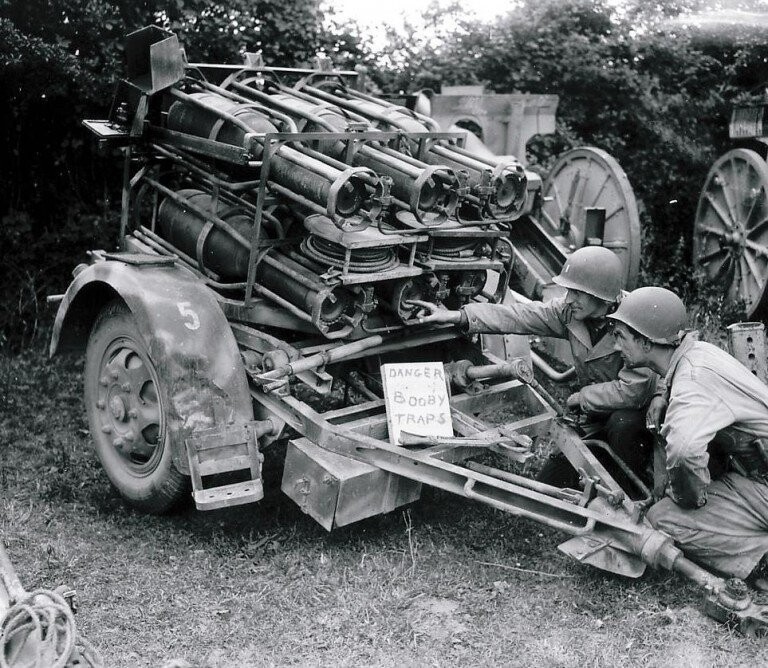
{"x":416,"y":398}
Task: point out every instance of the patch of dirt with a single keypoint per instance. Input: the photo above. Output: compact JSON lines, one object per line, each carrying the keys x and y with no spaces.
{"x":682,"y":629}
{"x":437,"y":618}
{"x":505,"y":414}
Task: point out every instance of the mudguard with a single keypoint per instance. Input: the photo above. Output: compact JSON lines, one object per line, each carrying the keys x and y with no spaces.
{"x":186,"y":333}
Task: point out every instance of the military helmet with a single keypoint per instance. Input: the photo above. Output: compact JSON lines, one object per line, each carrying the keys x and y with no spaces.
{"x":594,"y":270}
{"x":656,"y":313}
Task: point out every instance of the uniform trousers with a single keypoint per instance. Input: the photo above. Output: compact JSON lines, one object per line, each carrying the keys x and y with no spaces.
{"x":729,"y":533}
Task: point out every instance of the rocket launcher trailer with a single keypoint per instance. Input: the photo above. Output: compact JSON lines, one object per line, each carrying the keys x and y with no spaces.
{"x":276,"y":225}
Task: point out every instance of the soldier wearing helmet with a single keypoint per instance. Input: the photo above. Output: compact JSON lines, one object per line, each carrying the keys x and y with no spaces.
{"x":716,"y":433}
{"x":612,"y":396}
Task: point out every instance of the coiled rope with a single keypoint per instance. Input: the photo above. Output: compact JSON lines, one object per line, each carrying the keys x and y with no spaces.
{"x":40,"y":632}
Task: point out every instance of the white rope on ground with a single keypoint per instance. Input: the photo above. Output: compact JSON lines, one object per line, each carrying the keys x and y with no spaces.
{"x":40,"y":632}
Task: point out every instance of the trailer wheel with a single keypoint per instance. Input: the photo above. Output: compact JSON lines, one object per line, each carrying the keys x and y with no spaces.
{"x":730,"y":236}
{"x":126,"y":405}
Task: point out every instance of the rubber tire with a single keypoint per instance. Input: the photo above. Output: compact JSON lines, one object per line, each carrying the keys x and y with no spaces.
{"x":162,"y":488}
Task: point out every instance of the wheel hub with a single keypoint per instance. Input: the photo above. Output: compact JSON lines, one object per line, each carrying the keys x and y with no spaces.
{"x":735,"y":238}
{"x":117,"y":406}
{"x":128,"y":405}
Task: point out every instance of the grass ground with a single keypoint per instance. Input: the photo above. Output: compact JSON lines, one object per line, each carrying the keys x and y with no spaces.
{"x":444,"y":582}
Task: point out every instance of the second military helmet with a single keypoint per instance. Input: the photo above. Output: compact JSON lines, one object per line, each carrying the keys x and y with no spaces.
{"x":656,"y":313}
{"x":594,"y":270}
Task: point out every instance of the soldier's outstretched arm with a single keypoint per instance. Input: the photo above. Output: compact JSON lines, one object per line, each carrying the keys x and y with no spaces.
{"x":434,"y":313}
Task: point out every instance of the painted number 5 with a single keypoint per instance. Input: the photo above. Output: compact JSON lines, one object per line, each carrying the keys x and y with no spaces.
{"x":185,"y":308}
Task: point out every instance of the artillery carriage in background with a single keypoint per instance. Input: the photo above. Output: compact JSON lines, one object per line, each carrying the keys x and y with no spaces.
{"x":730,"y":236}
{"x":276,"y":225}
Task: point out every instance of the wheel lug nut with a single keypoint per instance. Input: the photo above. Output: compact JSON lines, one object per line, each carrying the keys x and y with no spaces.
{"x":114,"y":374}
{"x":100,"y":403}
{"x":118,"y":442}
{"x":125,"y":387}
{"x":104,"y":381}
{"x":106,"y":429}
{"x":129,"y":437}
{"x":133,"y":413}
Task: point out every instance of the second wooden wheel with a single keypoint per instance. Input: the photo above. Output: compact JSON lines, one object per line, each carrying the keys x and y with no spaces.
{"x":730,"y":238}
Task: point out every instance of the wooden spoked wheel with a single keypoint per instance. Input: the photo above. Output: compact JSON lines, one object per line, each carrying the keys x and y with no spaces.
{"x":730,"y":238}
{"x":585,"y":179}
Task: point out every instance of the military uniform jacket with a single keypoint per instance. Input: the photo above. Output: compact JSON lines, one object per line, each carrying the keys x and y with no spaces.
{"x":709,"y":390}
{"x":606,"y":384}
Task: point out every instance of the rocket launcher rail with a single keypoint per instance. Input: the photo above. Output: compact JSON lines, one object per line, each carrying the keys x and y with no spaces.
{"x":430,"y":192}
{"x":497,"y":186}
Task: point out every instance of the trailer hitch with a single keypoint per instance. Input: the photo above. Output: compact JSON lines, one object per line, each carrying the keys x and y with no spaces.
{"x":733,"y":606}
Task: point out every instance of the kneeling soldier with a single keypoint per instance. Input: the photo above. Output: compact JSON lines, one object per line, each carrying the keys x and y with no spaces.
{"x":610,"y":395}
{"x":716,"y":432}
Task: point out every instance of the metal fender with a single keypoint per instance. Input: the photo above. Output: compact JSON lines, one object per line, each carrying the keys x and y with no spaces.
{"x":186,"y":333}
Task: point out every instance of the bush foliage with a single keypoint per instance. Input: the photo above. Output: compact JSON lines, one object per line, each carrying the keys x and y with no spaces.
{"x":633,"y":78}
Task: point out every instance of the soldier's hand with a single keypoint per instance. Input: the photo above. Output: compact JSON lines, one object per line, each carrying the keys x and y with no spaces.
{"x":654,"y":417}
{"x":434,"y":313}
{"x":574,"y":401}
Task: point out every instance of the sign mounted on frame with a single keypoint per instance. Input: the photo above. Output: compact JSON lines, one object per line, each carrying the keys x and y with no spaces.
{"x":416,"y":399}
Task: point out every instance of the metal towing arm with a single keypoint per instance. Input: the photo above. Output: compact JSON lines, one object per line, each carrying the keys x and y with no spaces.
{"x":609,"y":529}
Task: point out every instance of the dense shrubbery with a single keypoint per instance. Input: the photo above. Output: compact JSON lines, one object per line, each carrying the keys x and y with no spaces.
{"x":654,"y":93}
{"x":59,"y":60}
